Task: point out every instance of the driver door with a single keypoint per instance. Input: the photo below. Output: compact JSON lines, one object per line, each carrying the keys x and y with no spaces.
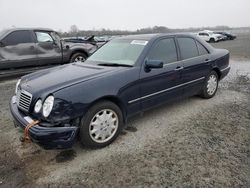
{"x":48,"y":50}
{"x":160,"y":85}
{"x":18,"y":50}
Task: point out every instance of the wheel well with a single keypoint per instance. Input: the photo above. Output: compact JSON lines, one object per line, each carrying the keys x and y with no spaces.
{"x":79,"y":51}
{"x":218,"y":72}
{"x":116,"y":101}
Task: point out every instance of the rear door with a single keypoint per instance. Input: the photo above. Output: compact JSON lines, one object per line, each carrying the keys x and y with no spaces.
{"x":18,"y":50}
{"x":48,"y":49}
{"x":160,"y":85}
{"x":196,"y":62}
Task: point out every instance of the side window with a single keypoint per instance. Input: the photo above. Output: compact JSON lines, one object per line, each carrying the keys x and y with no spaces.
{"x":188,"y":47}
{"x":43,"y":37}
{"x":56,"y":36}
{"x":164,"y":50}
{"x":18,"y":37}
{"x":201,"y":48}
{"x":203,"y":34}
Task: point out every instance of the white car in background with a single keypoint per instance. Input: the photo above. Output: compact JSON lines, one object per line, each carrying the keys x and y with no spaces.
{"x":210,"y":36}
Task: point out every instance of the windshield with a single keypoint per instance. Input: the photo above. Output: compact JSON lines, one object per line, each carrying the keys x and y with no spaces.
{"x":119,"y":51}
{"x":2,"y":32}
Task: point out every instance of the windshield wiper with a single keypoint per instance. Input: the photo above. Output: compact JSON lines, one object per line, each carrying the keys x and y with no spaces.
{"x":115,"y":65}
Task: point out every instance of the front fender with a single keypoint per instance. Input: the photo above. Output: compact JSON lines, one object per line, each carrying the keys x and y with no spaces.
{"x":73,"y":101}
{"x":73,"y":48}
{"x":86,"y":47}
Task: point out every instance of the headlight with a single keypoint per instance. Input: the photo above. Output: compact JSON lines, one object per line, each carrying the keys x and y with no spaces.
{"x":48,"y":105}
{"x":17,"y":84}
{"x":38,"y":106}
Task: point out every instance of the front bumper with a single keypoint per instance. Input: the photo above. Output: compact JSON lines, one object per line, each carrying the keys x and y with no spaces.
{"x":47,"y":137}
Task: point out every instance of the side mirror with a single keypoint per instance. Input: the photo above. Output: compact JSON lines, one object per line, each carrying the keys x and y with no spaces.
{"x":153,"y":64}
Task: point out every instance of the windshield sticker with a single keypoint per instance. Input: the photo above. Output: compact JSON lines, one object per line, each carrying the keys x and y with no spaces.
{"x":139,"y":42}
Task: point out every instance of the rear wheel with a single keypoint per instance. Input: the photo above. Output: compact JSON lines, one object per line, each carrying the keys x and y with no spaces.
{"x":78,"y":57}
{"x":101,"y":125}
{"x":212,"y":40}
{"x":211,"y":85}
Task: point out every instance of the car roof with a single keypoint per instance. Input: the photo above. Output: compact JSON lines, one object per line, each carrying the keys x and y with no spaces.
{"x":35,"y":28}
{"x":153,"y":36}
{"x":8,"y":31}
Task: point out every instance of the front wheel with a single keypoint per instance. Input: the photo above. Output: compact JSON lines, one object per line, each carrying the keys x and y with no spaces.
{"x":212,"y":40}
{"x":211,"y":85}
{"x":78,"y":57}
{"x":101,"y":125}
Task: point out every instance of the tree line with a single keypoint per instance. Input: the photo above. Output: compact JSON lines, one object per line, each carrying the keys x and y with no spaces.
{"x":74,"y":31}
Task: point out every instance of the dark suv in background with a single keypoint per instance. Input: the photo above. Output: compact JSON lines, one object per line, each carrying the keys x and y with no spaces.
{"x":26,"y":48}
{"x":229,"y":36}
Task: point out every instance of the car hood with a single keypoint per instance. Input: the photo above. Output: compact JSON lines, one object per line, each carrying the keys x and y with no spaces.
{"x":53,"y":79}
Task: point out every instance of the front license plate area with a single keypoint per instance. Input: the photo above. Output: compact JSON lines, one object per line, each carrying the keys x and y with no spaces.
{"x":28,"y":119}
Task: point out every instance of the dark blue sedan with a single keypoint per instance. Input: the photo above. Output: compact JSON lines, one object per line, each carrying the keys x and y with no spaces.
{"x":93,"y":100}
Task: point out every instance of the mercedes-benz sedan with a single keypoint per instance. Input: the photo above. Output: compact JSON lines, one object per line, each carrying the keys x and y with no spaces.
{"x":93,"y":100}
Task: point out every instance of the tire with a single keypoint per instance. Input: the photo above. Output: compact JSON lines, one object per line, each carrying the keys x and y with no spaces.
{"x":78,"y":57}
{"x":209,"y":91}
{"x":97,"y":135}
{"x":212,"y":40}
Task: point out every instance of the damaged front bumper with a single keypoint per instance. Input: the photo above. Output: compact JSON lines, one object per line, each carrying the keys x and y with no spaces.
{"x":47,"y":137}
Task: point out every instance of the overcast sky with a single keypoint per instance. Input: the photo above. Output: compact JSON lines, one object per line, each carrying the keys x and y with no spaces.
{"x":123,"y":14}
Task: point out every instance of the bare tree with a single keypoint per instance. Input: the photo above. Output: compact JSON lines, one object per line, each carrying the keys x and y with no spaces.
{"x":74,"y":30}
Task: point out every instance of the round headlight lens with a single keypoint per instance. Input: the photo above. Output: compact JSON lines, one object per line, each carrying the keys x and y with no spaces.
{"x":48,"y":105}
{"x":38,"y":106}
{"x":17,"y":84}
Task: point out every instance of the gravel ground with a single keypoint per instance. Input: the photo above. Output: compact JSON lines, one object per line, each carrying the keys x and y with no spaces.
{"x":189,"y":143}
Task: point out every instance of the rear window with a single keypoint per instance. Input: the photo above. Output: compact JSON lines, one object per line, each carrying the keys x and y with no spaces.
{"x":203,"y":34}
{"x":18,"y":37}
{"x":188,"y":47}
{"x":201,"y":48}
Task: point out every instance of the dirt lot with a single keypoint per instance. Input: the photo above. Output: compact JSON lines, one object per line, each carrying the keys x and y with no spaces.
{"x":239,"y":48}
{"x":190,"y":143}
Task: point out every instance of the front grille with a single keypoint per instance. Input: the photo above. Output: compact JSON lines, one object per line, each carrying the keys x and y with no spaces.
{"x":23,"y":100}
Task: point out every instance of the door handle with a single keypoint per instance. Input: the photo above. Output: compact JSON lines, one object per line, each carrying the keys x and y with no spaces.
{"x":32,"y":47}
{"x":179,"y":68}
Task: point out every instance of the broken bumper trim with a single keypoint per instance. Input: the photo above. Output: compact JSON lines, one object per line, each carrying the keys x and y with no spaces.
{"x":46,"y":137}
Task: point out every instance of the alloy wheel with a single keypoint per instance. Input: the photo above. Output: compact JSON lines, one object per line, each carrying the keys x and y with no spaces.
{"x":79,"y":59}
{"x":212,"y":84}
